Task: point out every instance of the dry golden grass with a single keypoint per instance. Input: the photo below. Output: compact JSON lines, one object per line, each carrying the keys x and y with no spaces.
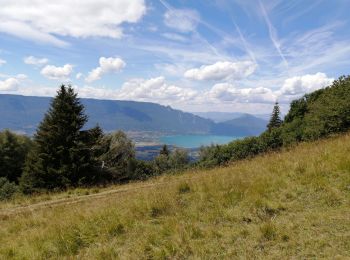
{"x":289,"y":205}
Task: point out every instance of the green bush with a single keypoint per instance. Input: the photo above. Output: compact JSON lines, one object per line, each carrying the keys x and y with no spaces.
{"x":179,"y":159}
{"x":13,"y":151}
{"x":141,"y":170}
{"x":7,"y":189}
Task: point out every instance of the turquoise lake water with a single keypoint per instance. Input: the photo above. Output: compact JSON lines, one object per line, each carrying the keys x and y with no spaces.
{"x":195,"y":141}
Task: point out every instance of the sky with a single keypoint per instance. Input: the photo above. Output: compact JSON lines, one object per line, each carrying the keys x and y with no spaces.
{"x":198,"y":56}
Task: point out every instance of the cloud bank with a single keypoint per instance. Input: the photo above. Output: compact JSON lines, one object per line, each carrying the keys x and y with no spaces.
{"x":43,"y":21}
{"x":222,"y":70}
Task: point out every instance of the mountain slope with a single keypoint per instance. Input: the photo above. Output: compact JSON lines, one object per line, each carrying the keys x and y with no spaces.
{"x":23,"y":113}
{"x":220,"y":117}
{"x":292,"y":205}
{"x":244,"y":125}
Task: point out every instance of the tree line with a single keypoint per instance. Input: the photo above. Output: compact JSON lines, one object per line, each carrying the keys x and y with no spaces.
{"x":64,"y":154}
{"x":316,"y":115}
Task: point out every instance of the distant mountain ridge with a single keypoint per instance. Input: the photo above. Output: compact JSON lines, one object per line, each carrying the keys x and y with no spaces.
{"x":219,"y":117}
{"x":24,"y":113}
{"x":245,"y":125}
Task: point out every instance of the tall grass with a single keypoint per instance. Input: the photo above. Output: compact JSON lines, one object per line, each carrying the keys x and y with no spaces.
{"x":293,"y":204}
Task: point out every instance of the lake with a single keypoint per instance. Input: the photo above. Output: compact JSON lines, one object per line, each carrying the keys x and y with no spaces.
{"x":195,"y":141}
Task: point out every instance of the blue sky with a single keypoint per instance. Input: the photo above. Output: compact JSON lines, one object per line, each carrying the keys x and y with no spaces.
{"x":223,"y":55}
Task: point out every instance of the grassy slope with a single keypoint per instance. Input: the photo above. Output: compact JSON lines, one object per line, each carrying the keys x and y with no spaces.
{"x":293,"y":204}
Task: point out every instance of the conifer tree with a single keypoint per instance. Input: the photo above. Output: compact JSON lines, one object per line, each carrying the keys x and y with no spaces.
{"x":60,"y":157}
{"x":275,"y":120}
{"x":164,"y":151}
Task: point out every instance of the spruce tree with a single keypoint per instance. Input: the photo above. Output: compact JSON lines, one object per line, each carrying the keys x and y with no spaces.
{"x":275,"y":120}
{"x":60,"y":157}
{"x":164,"y":151}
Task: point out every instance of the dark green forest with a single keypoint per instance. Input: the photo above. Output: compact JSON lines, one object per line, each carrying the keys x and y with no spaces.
{"x":63,"y":154}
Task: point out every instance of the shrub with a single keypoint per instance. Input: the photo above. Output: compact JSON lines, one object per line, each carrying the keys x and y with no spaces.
{"x":13,"y":151}
{"x":141,"y":170}
{"x":7,"y":189}
{"x":179,"y":159}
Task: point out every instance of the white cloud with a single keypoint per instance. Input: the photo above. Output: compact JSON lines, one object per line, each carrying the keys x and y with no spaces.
{"x":107,"y":65}
{"x":155,"y":90}
{"x":79,"y":75}
{"x":228,"y":92}
{"x":222,"y":70}
{"x":21,"y":76}
{"x":43,"y":21}
{"x":31,"y":60}
{"x":10,"y":84}
{"x":58,"y":73}
{"x":304,"y":84}
{"x":25,"y":31}
{"x":183,"y":20}
{"x":172,"y":69}
{"x":2,"y":62}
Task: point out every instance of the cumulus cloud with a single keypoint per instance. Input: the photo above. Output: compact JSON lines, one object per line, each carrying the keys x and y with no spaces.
{"x":58,"y":73}
{"x":222,"y":70}
{"x":31,"y":60}
{"x":182,"y":20}
{"x":228,"y":92}
{"x":43,"y":21}
{"x":2,"y":62}
{"x":304,"y":84}
{"x":155,"y":89}
{"x":10,"y":84}
{"x":107,"y":65}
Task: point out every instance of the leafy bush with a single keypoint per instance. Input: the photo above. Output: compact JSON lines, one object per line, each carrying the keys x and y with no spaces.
{"x":179,"y":159}
{"x":141,"y":170}
{"x":13,"y":151}
{"x":7,"y":189}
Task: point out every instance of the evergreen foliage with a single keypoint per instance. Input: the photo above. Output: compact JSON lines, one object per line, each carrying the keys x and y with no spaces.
{"x":275,"y":120}
{"x":13,"y":150}
{"x":164,"y":151}
{"x":60,"y":156}
{"x":7,"y":189}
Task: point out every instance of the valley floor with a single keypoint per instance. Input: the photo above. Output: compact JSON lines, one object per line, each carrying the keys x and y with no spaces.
{"x":287,"y":205}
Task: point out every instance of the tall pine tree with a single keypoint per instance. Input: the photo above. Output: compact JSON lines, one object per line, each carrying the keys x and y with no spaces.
{"x":60,"y":156}
{"x":275,"y":120}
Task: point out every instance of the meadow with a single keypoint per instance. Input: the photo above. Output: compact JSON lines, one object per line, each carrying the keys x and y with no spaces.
{"x":293,"y":204}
